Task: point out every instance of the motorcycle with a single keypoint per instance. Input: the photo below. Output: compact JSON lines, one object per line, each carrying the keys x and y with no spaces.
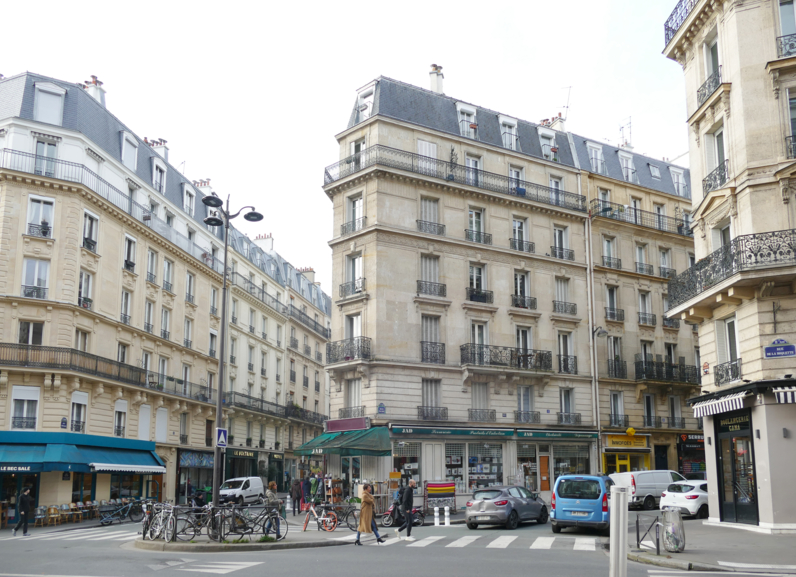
{"x":393,"y":516}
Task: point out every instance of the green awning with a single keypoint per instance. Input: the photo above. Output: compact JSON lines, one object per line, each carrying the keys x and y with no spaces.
{"x":370,"y":442}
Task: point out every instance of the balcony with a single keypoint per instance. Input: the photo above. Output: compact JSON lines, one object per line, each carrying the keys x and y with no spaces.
{"x":214,"y":311}
{"x":621,"y":421}
{"x":431,"y":288}
{"x":568,"y":418}
{"x":616,"y":315}
{"x":671,"y":323}
{"x":614,"y":211}
{"x":352,"y":288}
{"x":353,"y":226}
{"x":786,"y":47}
{"x":667,"y":372}
{"x":187,"y":343}
{"x":511,"y":140}
{"x":78,"y":427}
{"x":450,"y":172}
{"x":710,"y":86}
{"x":617,"y":369}
{"x":468,"y":129}
{"x":727,"y":372}
{"x":42,"y":230}
{"x":251,"y":329}
{"x":568,"y":364}
{"x":293,"y":343}
{"x":562,"y":253}
{"x":716,"y":179}
{"x":348,"y":350}
{"x":651,"y":422}
{"x":351,"y":412}
{"x":278,"y":378}
{"x":611,"y":262}
{"x":523,"y":302}
{"x":292,"y":376}
{"x":306,"y":382}
{"x":561,"y":307}
{"x":212,"y":353}
{"x":527,"y":417}
{"x":506,"y":357}
{"x":676,"y":422}
{"x":84,"y":302}
{"x":90,"y":245}
{"x":164,"y":334}
{"x":550,"y":152}
{"x":477,"y":236}
{"x":295,"y":412}
{"x":118,"y":432}
{"x":480,"y":296}
{"x":183,"y":439}
{"x":129,"y":266}
{"x":677,"y":17}
{"x":261,"y":443}
{"x":263,"y":372}
{"x":790,"y":146}
{"x":647,"y":319}
{"x":189,"y":298}
{"x":264,"y":336}
{"x":630,"y":174}
{"x":250,"y":367}
{"x":168,"y":287}
{"x":317,"y":386}
{"x":598,"y":166}
{"x":124,"y":318}
{"x":319,"y":357}
{"x":308,"y":350}
{"x":667,"y":272}
{"x":24,"y":423}
{"x":644,"y":268}
{"x":232,"y":360}
{"x":34,"y":292}
{"x":259,"y":293}
{"x":522,"y":245}
{"x":431,"y":227}
{"x":432,"y":413}
{"x":481,"y":415}
{"x":431,"y":352}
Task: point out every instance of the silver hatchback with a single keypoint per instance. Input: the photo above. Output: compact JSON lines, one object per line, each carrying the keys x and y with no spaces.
{"x":505,"y":505}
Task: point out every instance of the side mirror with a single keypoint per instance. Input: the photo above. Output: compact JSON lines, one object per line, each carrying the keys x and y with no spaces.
{"x":535,"y":496}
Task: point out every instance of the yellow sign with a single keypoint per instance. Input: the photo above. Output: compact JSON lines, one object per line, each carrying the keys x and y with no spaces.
{"x":395,"y":475}
{"x":631,"y":431}
{"x":625,"y":441}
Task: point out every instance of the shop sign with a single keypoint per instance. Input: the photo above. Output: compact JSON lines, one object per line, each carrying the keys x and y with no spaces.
{"x":780,"y":348}
{"x":692,"y":437}
{"x":19,"y":468}
{"x":243,"y":454}
{"x":277,"y":457}
{"x":556,"y":435}
{"x":449,"y":432}
{"x":63,"y":422}
{"x":733,"y":424}
{"x":625,"y":441}
{"x":66,"y":476}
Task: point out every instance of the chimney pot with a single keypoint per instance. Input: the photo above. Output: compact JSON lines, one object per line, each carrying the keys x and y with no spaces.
{"x":436,"y":78}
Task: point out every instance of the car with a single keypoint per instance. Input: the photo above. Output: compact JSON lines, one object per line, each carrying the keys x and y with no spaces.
{"x":242,"y":490}
{"x":689,"y":497}
{"x":698,"y":476}
{"x":581,"y":501}
{"x":505,"y":505}
{"x":645,"y":487}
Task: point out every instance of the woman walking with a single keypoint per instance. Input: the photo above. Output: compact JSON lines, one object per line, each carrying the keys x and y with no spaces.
{"x":295,"y":494}
{"x":273,"y":502}
{"x":367,"y":524}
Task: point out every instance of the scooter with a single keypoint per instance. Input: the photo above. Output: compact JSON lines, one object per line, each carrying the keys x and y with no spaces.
{"x":393,"y":516}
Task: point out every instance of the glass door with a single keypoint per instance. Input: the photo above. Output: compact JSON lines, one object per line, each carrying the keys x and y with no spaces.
{"x":738,"y":492}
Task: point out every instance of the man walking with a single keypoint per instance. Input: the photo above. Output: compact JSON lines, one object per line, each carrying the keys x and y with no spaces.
{"x":406,"y":504}
{"x":295,"y":493}
{"x":23,"y":510}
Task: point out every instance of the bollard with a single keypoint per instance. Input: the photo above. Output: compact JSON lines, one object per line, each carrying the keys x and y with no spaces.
{"x":638,"y":534}
{"x":657,"y":537}
{"x":436,"y":516}
{"x":618,"y":540}
{"x":447,"y":516}
{"x":288,"y":504}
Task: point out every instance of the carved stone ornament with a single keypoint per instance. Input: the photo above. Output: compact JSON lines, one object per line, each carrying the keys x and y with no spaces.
{"x":695,"y":128}
{"x":775,"y":83}
{"x":89,"y":261}
{"x":786,"y":190}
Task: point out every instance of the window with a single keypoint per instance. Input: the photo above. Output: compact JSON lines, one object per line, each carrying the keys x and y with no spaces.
{"x":25,"y":407}
{"x":189,"y":202}
{"x":521,"y":284}
{"x":121,"y":353}
{"x":476,"y":220}
{"x":609,"y":249}
{"x":605,"y":195}
{"x":478,"y":333}
{"x":519,"y":230}
{"x":126,"y":303}
{"x":429,"y":210}
{"x":555,"y":192}
{"x":79,"y":403}
{"x":671,"y":353}
{"x":617,"y":408}
{"x":355,"y":210}
{"x":165,"y":325}
{"x":472,"y":166}
{"x":614,"y":345}
{"x":628,"y":170}
{"x":566,"y":398}
{"x":524,"y":398}
{"x":560,"y":240}
{"x":353,"y":393}
{"x":213,"y":343}
{"x":726,"y":340}
{"x":787,"y":20}
{"x":190,"y":289}
{"x":712,"y":56}
{"x":655,"y":172}
{"x":562,"y":290}
{"x":149,"y":315}
{"x":548,"y":144}
{"x":159,"y":179}
{"x":163,"y":366}
{"x":714,"y":150}
{"x":476,"y":277}
{"x":188,"y":333}
{"x":480,"y":396}
{"x":36,"y":275}
{"x":46,"y":153}
{"x":169,"y":219}
{"x":646,"y":351}
{"x":365,"y":104}
{"x":664,"y":258}
{"x":691,"y":259}
{"x":30,"y":333}
{"x":429,"y":329}
{"x":129,"y":151}
{"x":233,"y":349}
{"x":467,"y":122}
{"x":84,"y":289}
{"x":151,"y":266}
{"x":354,"y":266}
{"x":649,"y":406}
{"x":641,"y":254}
{"x":129,"y":252}
{"x":524,"y":340}
{"x":644,"y":302}
{"x":48,"y":105}
{"x":263,"y":362}
{"x":214,"y":301}
{"x":146,"y":361}
{"x":40,"y":213}
{"x":509,"y":133}
{"x":596,"y":158}
{"x":81,"y":340}
{"x":565,"y":349}
{"x":660,"y":216}
{"x":678,"y":181}
{"x":168,"y":267}
{"x":90,"y":230}
{"x":251,"y":358}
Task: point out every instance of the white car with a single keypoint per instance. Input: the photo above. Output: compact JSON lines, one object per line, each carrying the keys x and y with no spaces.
{"x":690,"y":497}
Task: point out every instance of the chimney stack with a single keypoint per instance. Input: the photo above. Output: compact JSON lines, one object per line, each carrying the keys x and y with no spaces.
{"x":558,"y":123}
{"x":265,"y":242}
{"x":160,"y":147}
{"x":204,"y":186}
{"x":309,"y":273}
{"x":95,"y":89}
{"x":436,"y":79}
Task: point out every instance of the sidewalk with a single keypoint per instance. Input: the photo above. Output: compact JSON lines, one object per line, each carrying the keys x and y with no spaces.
{"x":88,"y":524}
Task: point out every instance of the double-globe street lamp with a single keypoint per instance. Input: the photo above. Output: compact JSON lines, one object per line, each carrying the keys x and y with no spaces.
{"x":221,"y":217}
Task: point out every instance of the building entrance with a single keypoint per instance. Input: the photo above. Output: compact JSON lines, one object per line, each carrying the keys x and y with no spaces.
{"x":737,"y":487}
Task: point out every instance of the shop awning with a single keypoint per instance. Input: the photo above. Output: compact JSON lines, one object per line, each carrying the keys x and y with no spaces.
{"x":785,"y":394}
{"x":318,"y":442}
{"x":373,"y":442}
{"x":723,"y":404}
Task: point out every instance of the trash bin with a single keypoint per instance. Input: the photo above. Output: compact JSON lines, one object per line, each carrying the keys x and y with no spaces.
{"x":673,"y":530}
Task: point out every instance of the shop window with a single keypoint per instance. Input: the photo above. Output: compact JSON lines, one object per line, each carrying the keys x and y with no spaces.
{"x":406,"y":460}
{"x":570,"y":460}
{"x":527,"y":469}
{"x":125,"y":486}
{"x":82,"y":485}
{"x":485,"y":465}
{"x":454,"y":465}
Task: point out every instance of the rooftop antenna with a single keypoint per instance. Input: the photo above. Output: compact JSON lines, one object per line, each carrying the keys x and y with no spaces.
{"x":566,"y":108}
{"x":183,"y":166}
{"x":626,"y":132}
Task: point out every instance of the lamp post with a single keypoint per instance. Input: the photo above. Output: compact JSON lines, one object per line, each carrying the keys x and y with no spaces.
{"x":221,"y":217}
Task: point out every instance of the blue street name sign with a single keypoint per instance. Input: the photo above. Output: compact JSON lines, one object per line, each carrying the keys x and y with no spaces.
{"x":780,"y":348}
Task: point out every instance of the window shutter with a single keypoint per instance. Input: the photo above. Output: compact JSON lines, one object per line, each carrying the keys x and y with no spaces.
{"x":430,"y":329}
{"x":429,"y":269}
{"x":562,"y":290}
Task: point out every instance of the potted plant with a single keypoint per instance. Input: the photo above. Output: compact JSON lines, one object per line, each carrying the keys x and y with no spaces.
{"x":473,"y":125}
{"x":248,"y":441}
{"x":45,"y":228}
{"x":231,"y":438}
{"x":262,"y":443}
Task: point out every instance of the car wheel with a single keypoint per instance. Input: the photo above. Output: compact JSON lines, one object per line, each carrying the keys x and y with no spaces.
{"x":543,"y":516}
{"x":513,"y":521}
{"x":241,"y":501}
{"x":703,"y":512}
{"x":649,"y":503}
{"x":556,"y":528}
{"x":472,"y":525}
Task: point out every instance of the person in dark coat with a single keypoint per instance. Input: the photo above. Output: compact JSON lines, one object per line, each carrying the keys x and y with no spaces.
{"x":305,"y":487}
{"x":24,"y":506}
{"x":295,"y":494}
{"x":407,"y":503}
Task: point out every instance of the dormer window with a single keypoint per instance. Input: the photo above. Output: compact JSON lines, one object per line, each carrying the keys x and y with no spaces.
{"x":188,"y":199}
{"x":365,"y":104}
{"x":158,"y":175}
{"x":655,"y":172}
{"x":628,"y":170}
{"x":547,"y":139}
{"x":468,"y":123}
{"x":49,"y":103}
{"x":596,"y":158}
{"x":508,"y":131}
{"x":678,"y":180}
{"x":129,"y":151}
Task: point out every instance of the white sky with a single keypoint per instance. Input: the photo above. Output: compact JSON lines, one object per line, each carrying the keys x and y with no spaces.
{"x":251,"y":94}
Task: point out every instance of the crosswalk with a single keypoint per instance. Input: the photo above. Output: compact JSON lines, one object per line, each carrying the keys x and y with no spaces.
{"x":588,"y":544}
{"x":98,"y":534}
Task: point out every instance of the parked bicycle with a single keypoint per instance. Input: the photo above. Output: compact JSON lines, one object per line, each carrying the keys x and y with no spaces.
{"x":327,"y":520}
{"x":131,"y":510}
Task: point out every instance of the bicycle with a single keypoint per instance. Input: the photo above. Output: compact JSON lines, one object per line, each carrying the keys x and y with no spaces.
{"x":132,"y":510}
{"x":326,"y":521}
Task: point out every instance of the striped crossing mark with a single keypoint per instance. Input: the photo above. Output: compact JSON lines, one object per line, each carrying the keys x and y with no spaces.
{"x":220,"y":567}
{"x":386,"y":542}
{"x":114,"y":535}
{"x":584,"y":544}
{"x":543,"y":543}
{"x":426,"y":542}
{"x":501,"y":542}
{"x":464,"y":541}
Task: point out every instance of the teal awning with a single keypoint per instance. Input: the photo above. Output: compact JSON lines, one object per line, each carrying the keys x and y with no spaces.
{"x":316,"y":443}
{"x":373,"y":442}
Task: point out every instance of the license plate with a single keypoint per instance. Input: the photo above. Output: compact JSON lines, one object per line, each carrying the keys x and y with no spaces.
{"x":483,"y":518}
{"x":579,"y":514}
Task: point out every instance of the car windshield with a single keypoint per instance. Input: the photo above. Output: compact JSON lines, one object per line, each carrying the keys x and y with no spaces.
{"x":486,"y":495}
{"x":233,"y":484}
{"x":579,"y":489}
{"x":677,"y":488}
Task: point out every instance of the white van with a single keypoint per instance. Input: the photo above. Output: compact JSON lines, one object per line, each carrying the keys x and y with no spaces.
{"x":646,"y":487}
{"x":242,"y":490}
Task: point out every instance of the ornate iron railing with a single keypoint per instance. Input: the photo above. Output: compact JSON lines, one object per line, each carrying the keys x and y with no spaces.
{"x":348,"y":350}
{"x":308,"y":350}
{"x":305,"y":382}
{"x":482,"y":415}
{"x":34,"y":292}
{"x":479,"y":295}
{"x":522,"y":245}
{"x":259,"y":293}
{"x":129,"y":266}
{"x":124,"y":318}
{"x":716,"y":179}
{"x":292,"y":376}
{"x":436,"y":289}
{"x":296,"y":412}
{"x":27,"y":423}
{"x":232,"y":360}
{"x":151,"y":278}
{"x":212,"y":353}
{"x":451,"y":172}
{"x":233,"y":399}
{"x":668,"y":272}
{"x":677,"y":17}
{"x":477,"y":236}
{"x":617,"y":369}
{"x":709,"y":87}
{"x":184,"y":440}
{"x":676,"y":422}
{"x":40,"y":230}
{"x":90,"y":245}
{"x":727,"y":372}
{"x":671,"y":323}
{"x":565,"y":308}
{"x":644,"y":268}
{"x":562,"y":253}
{"x":622,"y":421}
{"x":84,"y":302}
{"x":786,"y":46}
{"x":620,"y":212}
{"x":568,"y":418}
{"x":214,"y":311}
{"x":250,"y":366}
{"x":651,"y":421}
{"x":187,"y":343}
{"x":611,"y":262}
{"x":118,"y":431}
{"x":319,"y":356}
{"x":263,"y":372}
{"x":747,"y":252}
{"x":78,"y":426}
{"x":524,"y":359}
{"x":351,"y":412}
{"x":251,"y":329}
{"x":189,"y":298}
{"x":293,"y":343}
{"x":523,"y":302}
{"x":568,"y":364}
{"x":432,"y":413}
{"x":617,"y":315}
{"x":167,"y":286}
{"x":431,"y":227}
{"x":790,"y":147}
{"x":353,"y":225}
{"x":431,"y":352}
{"x":304,"y":319}
{"x":666,"y":371}
{"x":317,"y":386}
{"x":647,"y":319}
{"x":348,"y":289}
{"x":527,"y":417}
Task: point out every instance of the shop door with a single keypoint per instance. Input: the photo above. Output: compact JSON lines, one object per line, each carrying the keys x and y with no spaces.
{"x":737,"y":483}
{"x":544,"y":472}
{"x":661,"y":457}
{"x":623,"y":463}
{"x":432,"y":461}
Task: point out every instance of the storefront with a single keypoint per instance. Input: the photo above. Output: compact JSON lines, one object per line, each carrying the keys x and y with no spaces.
{"x":736,"y":475}
{"x":626,"y":453}
{"x":544,"y":455}
{"x":194,"y":473}
{"x":275,"y":463}
{"x":691,"y":453}
{"x":241,"y":463}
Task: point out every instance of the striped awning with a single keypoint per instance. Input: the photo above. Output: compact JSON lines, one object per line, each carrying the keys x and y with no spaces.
{"x":724,"y":404}
{"x":785,"y":394}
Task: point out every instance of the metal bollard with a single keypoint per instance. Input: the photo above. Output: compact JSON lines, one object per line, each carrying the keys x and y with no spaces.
{"x":638,"y":534}
{"x":657,"y":537}
{"x":436,"y":516}
{"x":288,"y":504}
{"x":618,"y":539}
{"x":447,"y":516}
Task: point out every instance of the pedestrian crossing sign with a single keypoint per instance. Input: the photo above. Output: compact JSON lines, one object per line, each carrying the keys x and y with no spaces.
{"x":221,"y":438}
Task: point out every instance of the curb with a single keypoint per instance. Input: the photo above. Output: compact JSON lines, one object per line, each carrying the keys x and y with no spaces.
{"x":670,"y":563}
{"x":226,"y":547}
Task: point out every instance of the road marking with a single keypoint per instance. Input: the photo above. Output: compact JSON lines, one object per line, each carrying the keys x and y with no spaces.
{"x":425,"y":542}
{"x":648,"y":544}
{"x":127,"y":537}
{"x":348,"y":538}
{"x":501,"y":542}
{"x":114,"y":535}
{"x":464,"y":541}
{"x":83,"y":535}
{"x":756,"y":566}
{"x":584,"y":544}
{"x":386,"y":542}
{"x":71,"y":535}
{"x":543,"y":543}
{"x":220,"y":567}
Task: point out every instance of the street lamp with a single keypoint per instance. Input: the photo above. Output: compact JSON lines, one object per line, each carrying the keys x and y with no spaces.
{"x":221,"y":217}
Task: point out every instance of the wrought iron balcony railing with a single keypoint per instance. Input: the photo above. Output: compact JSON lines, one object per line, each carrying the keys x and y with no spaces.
{"x":354,"y":287}
{"x":790,"y":146}
{"x":164,"y":334}
{"x":278,"y":378}
{"x":129,"y":266}
{"x":90,"y":245}
{"x":431,"y":227}
{"x":40,"y":230}
{"x":676,"y":422}
{"x":677,"y":17}
{"x":259,"y":293}
{"x":568,"y":418}
{"x":511,"y":140}
{"x":34,"y":292}
{"x":628,"y":214}
{"x":319,"y":357}
{"x":668,"y":272}
{"x":351,"y":412}
{"x":317,"y":386}
{"x":214,"y":311}
{"x":647,"y":319}
{"x":728,"y":372}
{"x":617,"y":315}
{"x":292,"y":376}
{"x":263,"y":372}
{"x":212,"y":353}
{"x":747,"y":252}
{"x":493,"y":356}
{"x":716,"y":179}
{"x":468,"y":129}
{"x":251,"y":367}
{"x":436,"y":289}
{"x":302,"y":317}
{"x":617,"y":369}
{"x":293,"y":343}
{"x":124,"y":318}
{"x":550,"y":152}
{"x":479,"y":295}
{"x":611,"y":262}
{"x":152,"y":278}
{"x":786,"y":46}
{"x":523,"y":302}
{"x":305,"y":381}
{"x":78,"y":426}
{"x":666,"y":371}
{"x":308,"y":350}
{"x":565,"y":308}
{"x":622,"y":421}
{"x":25,"y":423}
{"x":710,"y":86}
{"x":568,"y":364}
{"x":348,"y":350}
{"x":189,"y":298}
{"x":443,"y":170}
{"x":522,"y":245}
{"x":527,"y":417}
{"x":477,"y":236}
{"x":353,"y":225}
{"x":651,"y":421}
{"x":232,"y":360}
{"x":431,"y":352}
{"x":183,"y":439}
{"x":671,"y":323}
{"x":432,"y":413}
{"x":187,"y":343}
{"x":251,"y":329}
{"x":598,"y":165}
{"x":84,"y":302}
{"x":118,"y":432}
{"x":562,"y":253}
{"x":482,"y":415}
{"x":644,"y":268}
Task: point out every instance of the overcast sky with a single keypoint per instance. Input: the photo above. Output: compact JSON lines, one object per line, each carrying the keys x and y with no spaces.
{"x":251,"y":94}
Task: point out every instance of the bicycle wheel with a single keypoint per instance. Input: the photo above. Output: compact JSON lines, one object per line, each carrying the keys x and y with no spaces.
{"x":171,"y":529}
{"x":271,"y":531}
{"x":329,"y":521}
{"x":352,"y":519}
{"x":306,"y":521}
{"x":155,"y":528}
{"x":136,"y":513}
{"x":214,"y":526}
{"x":186,"y":529}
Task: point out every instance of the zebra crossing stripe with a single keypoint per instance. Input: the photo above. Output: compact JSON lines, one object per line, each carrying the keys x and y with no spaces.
{"x":220,"y":567}
{"x":425,"y":542}
{"x":386,"y":542}
{"x":71,"y":535}
{"x":584,"y":544}
{"x":127,"y":537}
{"x":543,"y":543}
{"x":115,"y":535}
{"x":501,"y":542}
{"x":464,"y":541}
{"x":84,"y":535}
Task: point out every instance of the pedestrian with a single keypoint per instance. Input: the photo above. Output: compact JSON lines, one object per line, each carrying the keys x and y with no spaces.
{"x":305,"y":487}
{"x":23,"y":510}
{"x":272,"y":502}
{"x":295,"y":494}
{"x":188,"y":490}
{"x":406,"y":503}
{"x":367,"y":522}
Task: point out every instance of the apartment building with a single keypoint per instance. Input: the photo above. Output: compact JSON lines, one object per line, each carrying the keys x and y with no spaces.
{"x":465,"y":319}
{"x":741,"y":106}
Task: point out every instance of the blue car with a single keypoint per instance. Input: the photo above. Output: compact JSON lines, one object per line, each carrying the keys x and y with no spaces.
{"x":581,"y":501}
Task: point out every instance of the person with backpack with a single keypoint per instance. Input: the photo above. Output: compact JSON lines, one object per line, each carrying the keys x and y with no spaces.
{"x":24,"y":505}
{"x":406,"y":503}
